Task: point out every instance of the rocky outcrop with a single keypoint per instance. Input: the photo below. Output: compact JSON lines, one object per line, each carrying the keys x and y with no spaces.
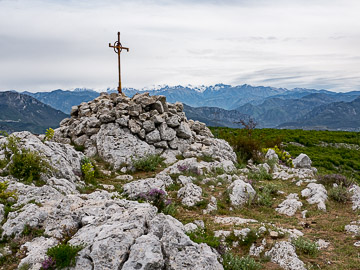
{"x":283,"y":253}
{"x":290,"y":205}
{"x":115,"y":233}
{"x":316,"y":194}
{"x":190,"y":194}
{"x":120,"y":129}
{"x":65,"y":162}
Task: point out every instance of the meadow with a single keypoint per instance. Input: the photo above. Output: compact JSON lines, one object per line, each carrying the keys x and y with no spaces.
{"x":330,"y":151}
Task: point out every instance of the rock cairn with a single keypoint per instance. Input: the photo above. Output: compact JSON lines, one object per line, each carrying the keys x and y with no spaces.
{"x":120,"y":129}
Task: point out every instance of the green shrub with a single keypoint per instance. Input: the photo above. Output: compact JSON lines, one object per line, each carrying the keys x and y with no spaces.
{"x":28,"y":166}
{"x":306,"y":246}
{"x":148,"y":163}
{"x":3,"y":133}
{"x":170,"y":209}
{"x":204,"y":236}
{"x":231,"y":262}
{"x":283,"y":155}
{"x":49,"y":134}
{"x":206,"y":158}
{"x":4,"y":195}
{"x":339,"y":194}
{"x":262,"y":174}
{"x":88,"y":171}
{"x":64,"y":255}
{"x":250,"y":238}
{"x":3,"y":163}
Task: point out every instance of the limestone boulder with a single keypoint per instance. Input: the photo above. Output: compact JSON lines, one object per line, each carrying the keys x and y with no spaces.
{"x":240,"y":192}
{"x":119,"y":146}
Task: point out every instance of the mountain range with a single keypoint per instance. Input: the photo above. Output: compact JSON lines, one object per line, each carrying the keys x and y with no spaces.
{"x":225,"y":105}
{"x":20,"y":112}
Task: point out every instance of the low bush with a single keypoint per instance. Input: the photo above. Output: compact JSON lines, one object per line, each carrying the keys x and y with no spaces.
{"x":49,"y":134}
{"x":330,"y":179}
{"x":28,"y":166}
{"x":4,"y":194}
{"x":64,"y":255}
{"x":262,"y":174}
{"x":284,"y":156}
{"x":148,"y":163}
{"x":88,"y":171}
{"x":231,"y":262}
{"x":170,"y":209}
{"x":339,"y":194}
{"x":156,"y":197}
{"x":306,"y":246}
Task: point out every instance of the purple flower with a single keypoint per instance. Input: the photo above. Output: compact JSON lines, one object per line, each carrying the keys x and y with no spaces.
{"x":48,"y":263}
{"x":183,"y":168}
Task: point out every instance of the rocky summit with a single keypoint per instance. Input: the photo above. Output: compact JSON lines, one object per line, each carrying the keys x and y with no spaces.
{"x":96,"y":202}
{"x":120,"y":129}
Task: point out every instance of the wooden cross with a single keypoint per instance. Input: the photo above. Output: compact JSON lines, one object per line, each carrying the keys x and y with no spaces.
{"x":117,"y":49}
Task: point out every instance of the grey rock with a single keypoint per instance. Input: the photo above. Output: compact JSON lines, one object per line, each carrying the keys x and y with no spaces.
{"x":143,"y":186}
{"x":166,"y":133}
{"x":153,"y":137}
{"x":316,"y":194}
{"x":134,"y":126}
{"x":190,"y":194}
{"x":355,"y":197}
{"x":173,"y":121}
{"x":159,"y":107}
{"x":183,"y":131}
{"x":118,"y":146}
{"x":302,"y":161}
{"x":240,"y":192}
{"x":180,"y":252}
{"x":290,"y":205}
{"x":123,"y":121}
{"x":162,"y":144}
{"x":145,"y":254}
{"x":283,"y":253}
{"x":148,"y":125}
{"x":36,"y":251}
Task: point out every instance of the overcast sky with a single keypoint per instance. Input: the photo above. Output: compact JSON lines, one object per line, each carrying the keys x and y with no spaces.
{"x":45,"y":45}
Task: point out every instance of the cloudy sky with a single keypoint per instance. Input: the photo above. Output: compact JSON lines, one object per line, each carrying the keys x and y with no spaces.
{"x":45,"y":45}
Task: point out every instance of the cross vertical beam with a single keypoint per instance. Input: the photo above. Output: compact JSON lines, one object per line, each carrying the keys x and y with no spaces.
{"x":117,"y":49}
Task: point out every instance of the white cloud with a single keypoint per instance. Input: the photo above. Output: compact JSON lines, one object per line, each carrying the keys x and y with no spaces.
{"x":64,"y":44}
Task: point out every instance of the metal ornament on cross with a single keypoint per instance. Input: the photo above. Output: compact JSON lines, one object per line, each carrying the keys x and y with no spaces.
{"x":117,"y":49}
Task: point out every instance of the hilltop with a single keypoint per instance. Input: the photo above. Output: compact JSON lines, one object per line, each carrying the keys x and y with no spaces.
{"x":131,"y":183}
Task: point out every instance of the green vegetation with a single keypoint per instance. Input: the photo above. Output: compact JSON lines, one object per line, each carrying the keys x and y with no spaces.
{"x":49,"y":134}
{"x":33,"y":232}
{"x":262,"y":174}
{"x":330,"y":151}
{"x":264,"y":195}
{"x":5,"y":195}
{"x":88,"y":171}
{"x":148,"y":163}
{"x":26,"y":165}
{"x":204,"y":236}
{"x":339,"y":194}
{"x":306,"y":246}
{"x":282,"y":154}
{"x":64,"y":255}
{"x":231,"y":262}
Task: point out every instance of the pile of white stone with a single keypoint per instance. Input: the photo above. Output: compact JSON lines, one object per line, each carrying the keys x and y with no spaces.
{"x":120,"y":129}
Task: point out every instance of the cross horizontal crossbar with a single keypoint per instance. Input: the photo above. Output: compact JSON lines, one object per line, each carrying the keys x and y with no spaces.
{"x":119,"y":47}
